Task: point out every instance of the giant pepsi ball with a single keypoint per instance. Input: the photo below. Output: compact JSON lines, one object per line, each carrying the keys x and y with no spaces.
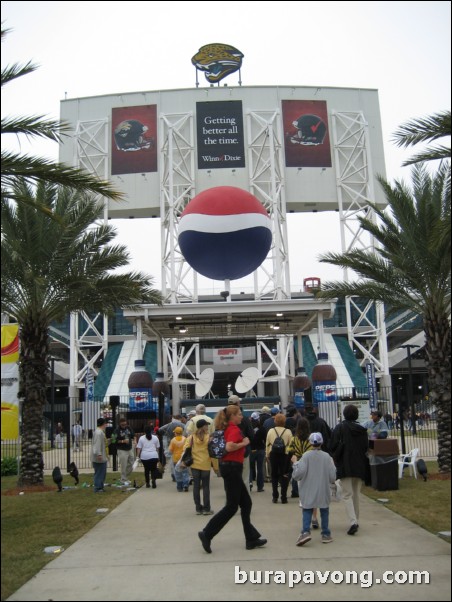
{"x":225,"y":233}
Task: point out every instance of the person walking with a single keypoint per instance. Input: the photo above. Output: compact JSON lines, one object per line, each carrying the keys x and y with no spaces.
{"x":99,"y":456}
{"x":278,"y":455}
{"x":176,"y":448}
{"x":257,"y":455}
{"x":315,"y":472}
{"x":231,"y":467}
{"x":148,"y":451}
{"x":349,"y":445}
{"x":200,"y":469}
{"x":124,"y":446}
{"x":77,"y":435}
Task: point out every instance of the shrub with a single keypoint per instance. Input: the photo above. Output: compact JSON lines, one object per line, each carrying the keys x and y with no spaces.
{"x":9,"y":466}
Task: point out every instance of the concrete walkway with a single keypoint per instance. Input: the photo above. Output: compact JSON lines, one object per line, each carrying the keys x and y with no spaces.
{"x":148,"y":549}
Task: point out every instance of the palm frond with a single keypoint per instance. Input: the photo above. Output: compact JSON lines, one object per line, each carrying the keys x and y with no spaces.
{"x":15,"y":71}
{"x":424,"y":129}
{"x":433,"y":153}
{"x":35,"y":125}
{"x":35,"y":169}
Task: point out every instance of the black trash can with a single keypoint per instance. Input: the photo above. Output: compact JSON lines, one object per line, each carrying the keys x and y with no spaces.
{"x":384,"y":465}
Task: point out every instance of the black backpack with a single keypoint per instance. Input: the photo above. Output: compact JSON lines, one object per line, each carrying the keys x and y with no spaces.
{"x":278,"y":446}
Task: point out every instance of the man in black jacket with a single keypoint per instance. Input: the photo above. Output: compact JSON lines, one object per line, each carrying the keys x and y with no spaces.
{"x":318,"y":425}
{"x":349,"y":445}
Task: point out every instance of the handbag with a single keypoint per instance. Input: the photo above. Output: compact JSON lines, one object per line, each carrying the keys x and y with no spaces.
{"x":160,"y":470}
{"x":187,"y":457}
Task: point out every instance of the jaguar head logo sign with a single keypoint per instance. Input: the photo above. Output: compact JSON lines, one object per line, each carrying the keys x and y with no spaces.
{"x":217,"y":61}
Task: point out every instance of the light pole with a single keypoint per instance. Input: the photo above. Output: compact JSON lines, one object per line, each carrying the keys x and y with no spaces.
{"x":52,"y":401}
{"x":410,"y":385}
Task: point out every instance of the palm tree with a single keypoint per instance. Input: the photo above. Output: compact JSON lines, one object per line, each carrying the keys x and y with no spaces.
{"x":34,"y":169}
{"x":51,"y":267}
{"x":425,"y":130}
{"x":411,"y":270}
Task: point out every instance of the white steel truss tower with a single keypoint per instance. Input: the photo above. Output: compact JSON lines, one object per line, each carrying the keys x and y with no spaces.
{"x":355,"y":188}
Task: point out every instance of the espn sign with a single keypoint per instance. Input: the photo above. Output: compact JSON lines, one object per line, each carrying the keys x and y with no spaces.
{"x":227,"y":356}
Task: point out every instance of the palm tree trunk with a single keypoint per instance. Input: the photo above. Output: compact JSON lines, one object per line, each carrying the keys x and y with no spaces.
{"x":437,"y":329}
{"x":33,"y":370}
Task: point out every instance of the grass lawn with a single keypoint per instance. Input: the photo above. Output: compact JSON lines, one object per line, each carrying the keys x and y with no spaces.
{"x":34,"y":521}
{"x":425,"y":503}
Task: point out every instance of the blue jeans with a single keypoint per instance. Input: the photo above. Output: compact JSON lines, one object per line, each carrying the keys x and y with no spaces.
{"x":324,"y":520}
{"x":257,"y":459}
{"x":182,"y":478}
{"x":100,"y":472}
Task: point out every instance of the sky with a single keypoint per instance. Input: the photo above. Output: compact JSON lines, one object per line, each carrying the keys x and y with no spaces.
{"x":402,"y":49}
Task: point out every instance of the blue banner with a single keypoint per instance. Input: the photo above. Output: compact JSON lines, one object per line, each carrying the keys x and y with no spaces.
{"x":371,"y":384}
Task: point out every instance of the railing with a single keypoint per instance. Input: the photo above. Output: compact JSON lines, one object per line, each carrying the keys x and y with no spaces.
{"x":65,"y":449}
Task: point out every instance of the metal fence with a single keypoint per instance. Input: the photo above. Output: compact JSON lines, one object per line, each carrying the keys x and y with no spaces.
{"x":63,"y":449}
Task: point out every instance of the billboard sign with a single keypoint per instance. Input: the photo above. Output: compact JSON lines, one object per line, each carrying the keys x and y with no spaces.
{"x":10,"y":381}
{"x":134,"y":140}
{"x":306,"y":137}
{"x":219,"y":127}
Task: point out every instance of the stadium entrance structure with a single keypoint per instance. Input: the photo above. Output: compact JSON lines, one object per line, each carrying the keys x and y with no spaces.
{"x":294,"y":148}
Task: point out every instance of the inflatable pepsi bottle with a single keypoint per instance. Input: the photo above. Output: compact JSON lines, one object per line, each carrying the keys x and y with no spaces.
{"x":140,"y":388}
{"x":300,"y":384}
{"x":161,"y":388}
{"x":324,"y":394}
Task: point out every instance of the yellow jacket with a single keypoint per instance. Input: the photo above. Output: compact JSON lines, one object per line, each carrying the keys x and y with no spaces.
{"x":200,"y":453}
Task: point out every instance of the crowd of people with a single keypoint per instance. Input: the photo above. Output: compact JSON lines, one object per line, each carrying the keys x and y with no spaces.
{"x":295,"y":451}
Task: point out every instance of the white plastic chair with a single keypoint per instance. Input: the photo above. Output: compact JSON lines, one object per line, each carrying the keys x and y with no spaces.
{"x":410,"y":461}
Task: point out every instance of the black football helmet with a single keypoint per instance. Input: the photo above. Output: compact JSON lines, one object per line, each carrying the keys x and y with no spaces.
{"x":130,"y":136}
{"x":311,"y":130}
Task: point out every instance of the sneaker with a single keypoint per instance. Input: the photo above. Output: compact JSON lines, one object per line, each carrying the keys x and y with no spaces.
{"x":199,"y":512}
{"x":260,"y":490}
{"x":207,"y":512}
{"x":315,"y":523}
{"x":205,"y":542}
{"x":185,"y":488}
{"x":353,"y":529}
{"x":257,"y":543}
{"x":327,"y":539}
{"x":126,"y":483}
{"x":304,"y":538}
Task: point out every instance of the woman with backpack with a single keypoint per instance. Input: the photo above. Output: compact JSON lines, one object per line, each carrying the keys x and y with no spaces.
{"x":231,"y":468}
{"x":277,"y":451}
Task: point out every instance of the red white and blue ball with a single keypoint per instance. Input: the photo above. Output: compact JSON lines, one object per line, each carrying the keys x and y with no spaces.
{"x":225,"y":233}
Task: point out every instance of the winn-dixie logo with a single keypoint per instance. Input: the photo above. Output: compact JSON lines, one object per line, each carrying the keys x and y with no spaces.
{"x":222,"y":158}
{"x":217,"y":61}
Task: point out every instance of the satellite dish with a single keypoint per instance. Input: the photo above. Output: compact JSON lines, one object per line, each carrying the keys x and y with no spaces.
{"x":204,"y":382}
{"x":247,"y":379}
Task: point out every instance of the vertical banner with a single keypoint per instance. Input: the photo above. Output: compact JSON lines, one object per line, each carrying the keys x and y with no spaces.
{"x":10,"y":381}
{"x":89,"y":385}
{"x":90,"y":409}
{"x":134,"y":140}
{"x":371,"y":384}
{"x":306,"y":137}
{"x":219,"y":127}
